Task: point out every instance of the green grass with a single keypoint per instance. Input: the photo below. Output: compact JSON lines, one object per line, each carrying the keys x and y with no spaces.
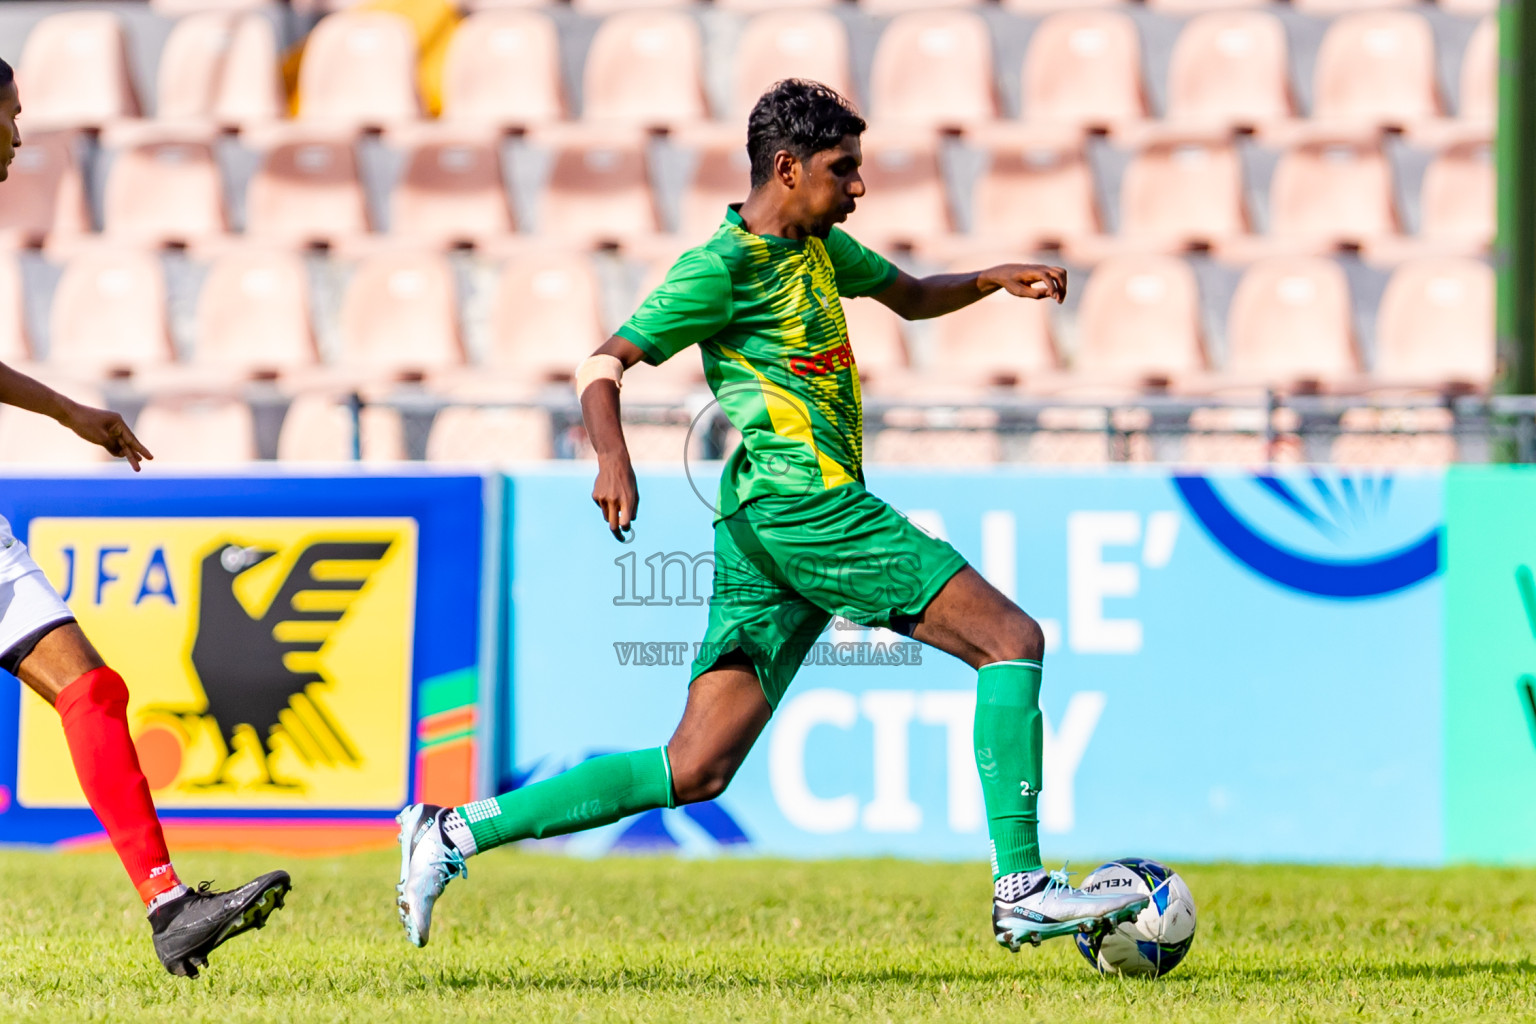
{"x":540,"y":938}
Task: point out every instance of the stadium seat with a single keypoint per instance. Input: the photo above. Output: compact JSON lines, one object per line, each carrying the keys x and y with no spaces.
{"x":165,"y":191}
{"x":465,"y":434}
{"x":545,"y":317}
{"x":723,"y":175}
{"x":603,"y":8}
{"x":598,"y":191}
{"x":1037,"y":192}
{"x":645,"y":68}
{"x":1479,"y":99}
{"x":44,"y":198}
{"x":1347,"y":6}
{"x":1183,"y":190}
{"x":1201,"y":6}
{"x":1138,"y":319}
{"x":359,"y":68}
{"x":1338,"y":190}
{"x":222,"y":67}
{"x":1289,"y":322}
{"x":1051,"y":6}
{"x":29,"y":439}
{"x":307,"y":189}
{"x":503,"y":68}
{"x":109,"y":312}
{"x":1457,"y":198}
{"x":1376,"y":67}
{"x":197,"y":431}
{"x":1435,"y":324}
{"x":934,"y":68}
{"x":1084,"y":67}
{"x":253,"y":313}
{"x":883,"y":7}
{"x":905,"y":197}
{"x":761,"y":6}
{"x":400,"y":316}
{"x":451,"y":191}
{"x":874,"y":332}
{"x":1469,"y":8}
{"x":13,"y":332}
{"x":74,"y":71}
{"x":1229,"y":67}
{"x":318,"y":428}
{"x":1000,"y":341}
{"x":789,"y":44}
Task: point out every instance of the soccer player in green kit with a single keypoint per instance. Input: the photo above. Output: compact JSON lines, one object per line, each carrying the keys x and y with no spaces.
{"x":798,"y":538}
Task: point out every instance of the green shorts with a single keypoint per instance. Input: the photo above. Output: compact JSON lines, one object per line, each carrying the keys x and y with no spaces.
{"x":785,"y":566}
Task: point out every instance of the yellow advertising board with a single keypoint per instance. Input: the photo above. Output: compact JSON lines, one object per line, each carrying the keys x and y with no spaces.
{"x":269,"y":659}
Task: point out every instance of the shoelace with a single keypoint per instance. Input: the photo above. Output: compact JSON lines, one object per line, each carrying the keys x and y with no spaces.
{"x":1060,"y":879}
{"x":449,"y":866}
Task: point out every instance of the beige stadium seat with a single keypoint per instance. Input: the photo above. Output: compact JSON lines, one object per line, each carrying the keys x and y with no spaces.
{"x":400,"y":315}
{"x":1037,"y":192}
{"x":29,"y":439}
{"x":545,"y":317}
{"x":761,"y":6}
{"x":809,"y":44}
{"x":1229,"y":67}
{"x":598,"y":191}
{"x":451,"y":191}
{"x":904,"y":196}
{"x":607,"y":7}
{"x":318,"y":428}
{"x":1435,"y":323}
{"x":722,"y":176}
{"x":1347,"y":6}
{"x":109,"y":312}
{"x":44,"y":197}
{"x":1339,"y":190}
{"x":74,"y":70}
{"x":307,"y":190}
{"x":1183,"y":190}
{"x":166,"y":191}
{"x":884,"y":7}
{"x":463,"y":434}
{"x":1139,"y":318}
{"x":197,"y":431}
{"x":13,"y":334}
{"x":1290,"y":321}
{"x":359,"y":68}
{"x":645,"y":68}
{"x":874,"y":333}
{"x":220,"y":66}
{"x":934,"y":68}
{"x":1457,"y":198}
{"x":1377,"y":67}
{"x":253,"y":313}
{"x":1200,"y":6}
{"x":1470,"y":8}
{"x":503,"y":68}
{"x":1084,"y":67}
{"x":1479,"y":99}
{"x":1001,"y":341}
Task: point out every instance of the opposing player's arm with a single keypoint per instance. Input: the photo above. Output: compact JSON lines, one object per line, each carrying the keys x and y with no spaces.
{"x":920,"y":298}
{"x":98,"y":426}
{"x":615,"y":491}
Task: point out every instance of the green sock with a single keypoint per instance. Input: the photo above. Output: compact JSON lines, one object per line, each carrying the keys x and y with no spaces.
{"x":596,"y":792}
{"x":1010,"y":747}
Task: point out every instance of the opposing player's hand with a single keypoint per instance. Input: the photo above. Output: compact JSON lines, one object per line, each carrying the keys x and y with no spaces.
{"x":617,"y":494}
{"x":1030,"y":280}
{"x":106,"y":428}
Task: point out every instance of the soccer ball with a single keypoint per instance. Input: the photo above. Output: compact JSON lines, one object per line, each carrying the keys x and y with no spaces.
{"x":1154,"y":943}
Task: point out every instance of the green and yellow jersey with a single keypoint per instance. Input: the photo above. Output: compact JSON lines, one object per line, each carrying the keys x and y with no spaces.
{"x":766,"y":315}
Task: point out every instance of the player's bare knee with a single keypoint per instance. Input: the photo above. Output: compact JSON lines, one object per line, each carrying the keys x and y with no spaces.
{"x":1020,"y":638}
{"x":697,"y":783}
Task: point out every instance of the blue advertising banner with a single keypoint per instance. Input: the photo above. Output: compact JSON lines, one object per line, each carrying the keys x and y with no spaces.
{"x":303,"y":651}
{"x":1238,"y":665}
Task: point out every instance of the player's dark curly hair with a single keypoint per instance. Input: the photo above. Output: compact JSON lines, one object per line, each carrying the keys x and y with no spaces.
{"x":7,"y":74}
{"x":800,"y":116}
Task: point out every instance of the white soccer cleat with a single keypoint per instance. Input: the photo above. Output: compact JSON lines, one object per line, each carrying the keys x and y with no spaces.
{"x":427,"y":864}
{"x":1055,"y":908}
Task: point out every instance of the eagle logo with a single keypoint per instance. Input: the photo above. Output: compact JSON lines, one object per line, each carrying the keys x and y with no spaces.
{"x":263,"y":670}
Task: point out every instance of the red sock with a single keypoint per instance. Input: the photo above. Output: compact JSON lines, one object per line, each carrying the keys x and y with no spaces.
{"x":95,"y":713}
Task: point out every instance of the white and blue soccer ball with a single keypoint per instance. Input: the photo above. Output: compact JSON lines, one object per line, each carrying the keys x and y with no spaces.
{"x":1159,"y":937}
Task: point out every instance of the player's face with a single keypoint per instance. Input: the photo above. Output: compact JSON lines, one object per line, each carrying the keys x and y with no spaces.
{"x":832,"y":185}
{"x":10,"y":135}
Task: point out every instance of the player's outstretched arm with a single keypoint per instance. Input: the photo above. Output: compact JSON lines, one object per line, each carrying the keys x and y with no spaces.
{"x":615,"y":491}
{"x":920,"y":298}
{"x":98,"y":426}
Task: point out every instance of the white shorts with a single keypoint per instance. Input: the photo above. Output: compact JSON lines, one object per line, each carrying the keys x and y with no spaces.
{"x":28,"y":602}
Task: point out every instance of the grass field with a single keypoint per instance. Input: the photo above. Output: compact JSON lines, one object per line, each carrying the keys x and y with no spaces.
{"x":539,"y":938}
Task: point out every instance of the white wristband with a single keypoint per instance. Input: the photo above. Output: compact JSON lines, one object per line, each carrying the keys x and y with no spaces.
{"x":599,"y":367}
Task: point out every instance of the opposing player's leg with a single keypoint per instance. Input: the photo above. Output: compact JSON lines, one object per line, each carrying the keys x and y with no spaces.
{"x":725,"y":712}
{"x":972,"y":620}
{"x":56,"y":661}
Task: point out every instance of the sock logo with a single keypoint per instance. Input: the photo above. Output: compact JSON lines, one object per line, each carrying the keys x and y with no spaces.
{"x":1025,"y":790}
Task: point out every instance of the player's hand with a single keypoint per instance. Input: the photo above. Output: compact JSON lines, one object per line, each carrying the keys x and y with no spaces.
{"x":1029,"y":280}
{"x":617,"y":494}
{"x":106,"y":428}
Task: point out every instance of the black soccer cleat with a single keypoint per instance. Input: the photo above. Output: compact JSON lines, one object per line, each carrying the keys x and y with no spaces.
{"x":191,"y":926}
